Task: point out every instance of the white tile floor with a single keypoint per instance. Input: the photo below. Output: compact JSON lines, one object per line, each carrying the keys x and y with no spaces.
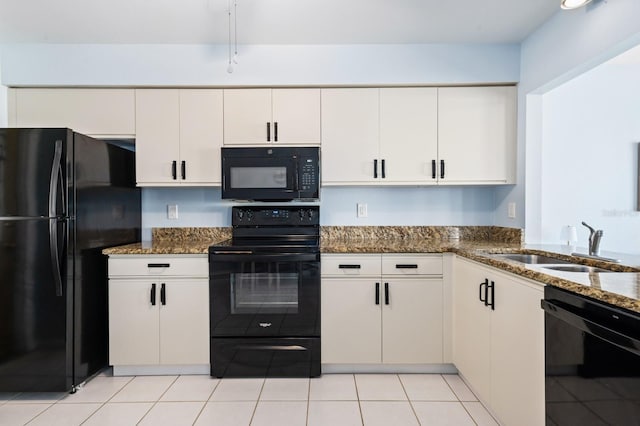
{"x":333,"y":399}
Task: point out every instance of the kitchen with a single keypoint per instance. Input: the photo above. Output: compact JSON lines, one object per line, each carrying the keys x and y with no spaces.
{"x":540,"y":60}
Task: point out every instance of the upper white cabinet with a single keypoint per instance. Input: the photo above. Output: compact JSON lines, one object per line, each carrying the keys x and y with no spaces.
{"x":350,"y":136}
{"x":179,"y":135}
{"x":476,"y":134}
{"x":95,"y":112}
{"x":278,"y":116}
{"x":418,"y":136}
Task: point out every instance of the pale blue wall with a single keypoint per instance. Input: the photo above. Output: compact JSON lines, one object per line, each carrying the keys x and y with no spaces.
{"x":4,"y":113}
{"x":591,"y":131}
{"x":567,"y":45}
{"x":386,"y":206}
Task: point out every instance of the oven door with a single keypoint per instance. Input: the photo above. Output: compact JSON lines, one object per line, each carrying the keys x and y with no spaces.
{"x":265,"y":295}
{"x":264,"y":178}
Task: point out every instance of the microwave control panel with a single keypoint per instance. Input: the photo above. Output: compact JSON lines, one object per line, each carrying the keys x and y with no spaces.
{"x":308,"y":174}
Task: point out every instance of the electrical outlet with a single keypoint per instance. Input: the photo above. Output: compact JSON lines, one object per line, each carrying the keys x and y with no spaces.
{"x":511,"y":210}
{"x":362,"y":210}
{"x":172,"y":211}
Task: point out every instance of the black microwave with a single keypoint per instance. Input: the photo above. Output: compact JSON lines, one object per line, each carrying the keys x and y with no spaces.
{"x":271,"y":174}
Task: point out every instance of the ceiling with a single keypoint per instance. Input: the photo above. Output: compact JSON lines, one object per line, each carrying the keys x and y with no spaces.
{"x":272,"y":21}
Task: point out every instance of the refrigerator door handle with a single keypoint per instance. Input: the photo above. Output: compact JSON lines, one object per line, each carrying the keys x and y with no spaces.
{"x":55,"y":182}
{"x":55,"y":255}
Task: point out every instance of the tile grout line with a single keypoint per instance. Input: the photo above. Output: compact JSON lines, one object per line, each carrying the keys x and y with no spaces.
{"x":206,"y":402}
{"x":102,"y":404}
{"x":413,"y":410}
{"x":355,"y":383}
{"x":154,"y":403}
{"x":462,"y":402}
{"x":308,"y":401}
{"x":255,"y":408}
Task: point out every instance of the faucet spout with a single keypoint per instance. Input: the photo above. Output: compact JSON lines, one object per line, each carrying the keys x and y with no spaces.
{"x":594,"y":240}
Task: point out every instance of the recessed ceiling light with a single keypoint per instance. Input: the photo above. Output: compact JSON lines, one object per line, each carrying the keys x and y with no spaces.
{"x":573,"y":4}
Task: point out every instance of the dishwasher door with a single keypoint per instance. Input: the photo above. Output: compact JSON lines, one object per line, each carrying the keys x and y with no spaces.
{"x":592,"y":361}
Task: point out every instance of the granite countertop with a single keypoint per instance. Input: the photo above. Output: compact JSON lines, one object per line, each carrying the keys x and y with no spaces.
{"x":476,"y":243}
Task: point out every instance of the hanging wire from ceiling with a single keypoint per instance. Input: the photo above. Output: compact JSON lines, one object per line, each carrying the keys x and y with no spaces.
{"x":233,"y":59}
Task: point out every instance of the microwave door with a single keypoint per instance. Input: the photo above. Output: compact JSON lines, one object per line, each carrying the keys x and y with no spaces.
{"x":259,"y":179}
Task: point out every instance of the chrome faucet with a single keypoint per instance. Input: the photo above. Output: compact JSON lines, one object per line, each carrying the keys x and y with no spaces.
{"x":594,"y":240}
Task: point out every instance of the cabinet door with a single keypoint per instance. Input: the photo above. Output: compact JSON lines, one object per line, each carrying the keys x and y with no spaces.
{"x":409,"y":134}
{"x":96,"y":112}
{"x":184,"y":323}
{"x":157,"y":136}
{"x":200,"y":135}
{"x":517,"y":353}
{"x":471,"y":328}
{"x":477,"y":132}
{"x":296,"y":113}
{"x":246,"y":115}
{"x":350,"y":136}
{"x":351,"y":327}
{"x":412,"y":321}
{"x":133,"y":323}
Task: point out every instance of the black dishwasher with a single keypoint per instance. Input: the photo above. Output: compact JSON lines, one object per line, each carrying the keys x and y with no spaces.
{"x":592,"y":361}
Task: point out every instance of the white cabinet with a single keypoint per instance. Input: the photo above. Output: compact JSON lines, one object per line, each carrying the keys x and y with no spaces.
{"x":179,"y":136}
{"x":279,"y":116}
{"x":158,"y":314}
{"x":500,"y":351}
{"x":350,"y":136}
{"x":382,"y":309}
{"x":419,"y":136}
{"x":476,"y":134}
{"x":95,"y":112}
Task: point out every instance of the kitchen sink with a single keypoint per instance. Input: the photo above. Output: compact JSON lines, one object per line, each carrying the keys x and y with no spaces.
{"x":575,"y":268}
{"x":531,"y":259}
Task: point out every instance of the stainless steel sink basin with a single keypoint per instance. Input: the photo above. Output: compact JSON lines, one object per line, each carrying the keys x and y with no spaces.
{"x":531,"y":259}
{"x":575,"y":268}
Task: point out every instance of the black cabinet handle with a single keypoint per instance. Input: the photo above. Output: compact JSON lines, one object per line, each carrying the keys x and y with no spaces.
{"x":174,"y":164}
{"x":183,"y":170}
{"x":483,"y":285}
{"x":407,"y":266}
{"x":163,"y":295}
{"x":375,"y":169}
{"x":433,"y":169}
{"x":275,"y":131}
{"x":377,"y":293}
{"x":441,"y":169}
{"x":386,"y":293}
{"x":153,"y":294}
{"x":268,"y":131}
{"x":348,"y":266}
{"x":492,"y":286}
{"x":158,"y":265}
{"x":383,"y":172}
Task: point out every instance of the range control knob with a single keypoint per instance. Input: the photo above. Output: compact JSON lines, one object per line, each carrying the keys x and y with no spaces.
{"x":240,"y":214}
{"x":249,"y":215}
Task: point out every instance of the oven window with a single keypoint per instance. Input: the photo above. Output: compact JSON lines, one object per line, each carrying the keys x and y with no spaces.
{"x":264,"y":293}
{"x":258,"y":177}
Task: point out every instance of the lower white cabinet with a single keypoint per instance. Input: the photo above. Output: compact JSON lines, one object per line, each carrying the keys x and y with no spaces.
{"x":382,"y":309}
{"x":500,"y":351}
{"x":158,"y":312}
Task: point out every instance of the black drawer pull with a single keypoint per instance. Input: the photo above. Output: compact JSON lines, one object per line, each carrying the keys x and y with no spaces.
{"x":349,"y":266}
{"x":407,"y":266}
{"x":386,"y":293}
{"x":163,"y":294}
{"x":377,"y":293}
{"x":158,"y":265}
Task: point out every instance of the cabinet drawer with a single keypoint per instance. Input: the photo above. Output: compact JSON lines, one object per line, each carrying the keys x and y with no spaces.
{"x":187,"y":266}
{"x":351,"y":265}
{"x":412,"y":264}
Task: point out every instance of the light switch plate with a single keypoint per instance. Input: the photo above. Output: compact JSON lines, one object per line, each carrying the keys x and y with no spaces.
{"x":511,"y":210}
{"x":362,"y":210}
{"x":172,"y":211}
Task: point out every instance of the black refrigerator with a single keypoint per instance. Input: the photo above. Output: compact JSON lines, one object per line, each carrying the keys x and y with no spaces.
{"x":63,"y":198}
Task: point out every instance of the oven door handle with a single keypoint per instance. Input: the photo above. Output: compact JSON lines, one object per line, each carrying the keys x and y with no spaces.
{"x":272,"y":348}
{"x":262,"y":257}
{"x":613,"y":337}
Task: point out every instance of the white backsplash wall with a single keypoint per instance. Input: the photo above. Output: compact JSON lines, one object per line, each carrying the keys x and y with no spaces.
{"x":385,"y":206}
